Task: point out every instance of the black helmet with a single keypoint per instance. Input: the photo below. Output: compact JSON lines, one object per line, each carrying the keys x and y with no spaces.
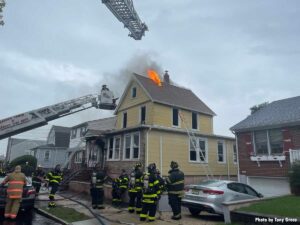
{"x":152,"y":168}
{"x":157,"y":171}
{"x":138,"y":166}
{"x":174,"y":165}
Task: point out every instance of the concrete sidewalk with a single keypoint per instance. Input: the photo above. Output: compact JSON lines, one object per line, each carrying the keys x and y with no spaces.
{"x":117,"y":216}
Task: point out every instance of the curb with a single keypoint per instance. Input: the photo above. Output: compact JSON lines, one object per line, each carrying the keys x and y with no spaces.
{"x":50,"y":216}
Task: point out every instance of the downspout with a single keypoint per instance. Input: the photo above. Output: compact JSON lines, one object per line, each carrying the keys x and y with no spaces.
{"x":147,"y":148}
{"x":161,"y":155}
{"x":237,"y":156}
{"x":227,"y":160}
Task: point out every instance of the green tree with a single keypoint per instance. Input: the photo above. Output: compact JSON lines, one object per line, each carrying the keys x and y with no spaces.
{"x":294,"y":175}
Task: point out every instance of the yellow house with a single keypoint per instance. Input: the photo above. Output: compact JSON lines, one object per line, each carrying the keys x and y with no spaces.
{"x":164,"y":123}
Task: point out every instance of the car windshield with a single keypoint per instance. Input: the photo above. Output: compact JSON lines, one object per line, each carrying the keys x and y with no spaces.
{"x":28,"y":179}
{"x":211,"y":183}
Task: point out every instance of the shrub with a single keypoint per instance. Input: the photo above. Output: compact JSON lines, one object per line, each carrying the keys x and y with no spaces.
{"x":32,"y":161}
{"x":294,"y":175}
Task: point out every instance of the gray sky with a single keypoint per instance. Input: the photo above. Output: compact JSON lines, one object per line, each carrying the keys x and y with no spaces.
{"x":232,"y":54}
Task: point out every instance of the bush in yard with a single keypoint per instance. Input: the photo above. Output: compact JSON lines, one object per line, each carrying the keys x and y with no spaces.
{"x":294,"y":175}
{"x":32,"y":161}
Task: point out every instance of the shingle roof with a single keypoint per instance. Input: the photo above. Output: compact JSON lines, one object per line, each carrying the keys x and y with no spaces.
{"x":98,"y":127}
{"x":173,"y":95}
{"x":285,"y":112}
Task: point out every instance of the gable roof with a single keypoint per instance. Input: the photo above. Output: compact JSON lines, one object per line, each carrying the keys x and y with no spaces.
{"x":98,"y":127}
{"x":285,"y":112}
{"x":171,"y":95}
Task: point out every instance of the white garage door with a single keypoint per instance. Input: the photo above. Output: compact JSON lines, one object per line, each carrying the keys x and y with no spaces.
{"x":270,"y":186}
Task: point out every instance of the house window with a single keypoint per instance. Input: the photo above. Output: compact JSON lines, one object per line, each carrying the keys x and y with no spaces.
{"x":143,"y":114}
{"x":124,"y":119}
{"x":47,"y":156}
{"x":78,"y":157}
{"x":221,"y":152}
{"x":194,"y":121}
{"x":175,"y":117}
{"x":132,"y":146}
{"x":110,"y":148}
{"x":268,"y":142}
{"x":73,"y":133}
{"x":114,"y":148}
{"x":261,"y":142}
{"x":198,"y":150}
{"x":133,"y":92}
{"x":234,"y":154}
{"x":82,"y":131}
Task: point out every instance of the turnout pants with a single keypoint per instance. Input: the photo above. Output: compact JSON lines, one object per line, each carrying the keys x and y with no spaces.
{"x":54,"y":188}
{"x":148,"y":211}
{"x":12,"y":207}
{"x":37,"y":186}
{"x":135,"y":202}
{"x":116,"y":196}
{"x":175,"y":203}
{"x":97,"y":197}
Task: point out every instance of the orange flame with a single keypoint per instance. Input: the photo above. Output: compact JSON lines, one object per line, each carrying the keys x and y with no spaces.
{"x":154,"y":76}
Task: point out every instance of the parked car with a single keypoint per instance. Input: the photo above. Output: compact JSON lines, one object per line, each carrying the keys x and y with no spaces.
{"x":28,"y":197}
{"x":210,"y":194}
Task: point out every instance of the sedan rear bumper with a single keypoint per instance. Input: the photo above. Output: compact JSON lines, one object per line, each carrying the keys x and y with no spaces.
{"x":204,"y":206}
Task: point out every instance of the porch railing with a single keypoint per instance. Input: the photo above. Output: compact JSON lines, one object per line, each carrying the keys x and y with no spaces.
{"x":294,"y":155}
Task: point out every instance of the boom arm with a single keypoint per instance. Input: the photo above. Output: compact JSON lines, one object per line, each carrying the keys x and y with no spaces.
{"x":39,"y":117}
{"x":125,"y":13}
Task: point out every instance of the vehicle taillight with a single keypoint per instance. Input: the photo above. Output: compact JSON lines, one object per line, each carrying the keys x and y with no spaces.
{"x":213,"y":192}
{"x":29,"y":192}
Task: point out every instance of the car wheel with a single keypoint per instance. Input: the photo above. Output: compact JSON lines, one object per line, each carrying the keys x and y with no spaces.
{"x":194,"y":211}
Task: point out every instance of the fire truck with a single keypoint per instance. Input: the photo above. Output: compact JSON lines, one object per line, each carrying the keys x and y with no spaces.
{"x":36,"y":118}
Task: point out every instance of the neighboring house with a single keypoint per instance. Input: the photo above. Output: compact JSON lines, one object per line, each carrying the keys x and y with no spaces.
{"x":55,"y":150}
{"x":264,"y":141}
{"x":87,"y":143}
{"x":151,"y":127}
{"x":2,"y":162}
{"x":17,"y":147}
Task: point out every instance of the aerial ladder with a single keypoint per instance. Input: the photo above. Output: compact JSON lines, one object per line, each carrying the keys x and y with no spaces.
{"x":40,"y":117}
{"x":2,"y":5}
{"x":126,"y":14}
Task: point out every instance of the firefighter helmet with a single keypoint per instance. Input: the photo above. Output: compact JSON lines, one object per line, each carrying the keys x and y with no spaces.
{"x":138,"y":165}
{"x":174,"y":165}
{"x":157,"y":171}
{"x":152,"y":168}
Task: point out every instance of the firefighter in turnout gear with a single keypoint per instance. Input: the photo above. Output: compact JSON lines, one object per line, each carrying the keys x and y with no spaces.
{"x":175,"y":187}
{"x":150,"y":194}
{"x":97,"y":192}
{"x":123,"y":184}
{"x":16,"y":180}
{"x":116,"y":192}
{"x":54,"y":178}
{"x":135,"y":189}
{"x":38,"y":177}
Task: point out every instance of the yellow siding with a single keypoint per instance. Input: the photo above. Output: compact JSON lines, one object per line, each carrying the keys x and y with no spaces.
{"x":128,"y":101}
{"x":162,"y":116}
{"x":176,"y":147}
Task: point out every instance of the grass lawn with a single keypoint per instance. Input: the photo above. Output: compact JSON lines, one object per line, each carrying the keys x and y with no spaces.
{"x":286,"y":206}
{"x":66,"y":214}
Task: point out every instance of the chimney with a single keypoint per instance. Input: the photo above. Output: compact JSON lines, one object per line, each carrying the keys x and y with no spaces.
{"x":166,"y":77}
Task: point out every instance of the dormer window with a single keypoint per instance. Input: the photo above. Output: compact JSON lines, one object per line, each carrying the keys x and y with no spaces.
{"x":133,"y":92}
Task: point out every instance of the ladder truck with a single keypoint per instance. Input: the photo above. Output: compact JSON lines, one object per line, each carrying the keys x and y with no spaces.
{"x":36,"y":118}
{"x":126,"y":14}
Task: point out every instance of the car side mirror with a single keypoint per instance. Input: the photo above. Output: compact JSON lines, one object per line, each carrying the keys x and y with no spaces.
{"x":260,"y":195}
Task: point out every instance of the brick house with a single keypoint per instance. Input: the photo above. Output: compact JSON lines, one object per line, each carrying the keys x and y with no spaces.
{"x":266,"y":142}
{"x":151,"y":126}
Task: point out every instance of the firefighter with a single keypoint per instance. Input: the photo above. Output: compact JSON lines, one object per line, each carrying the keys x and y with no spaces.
{"x":116,"y":192}
{"x":97,"y":192}
{"x":150,"y":197}
{"x":175,"y":187}
{"x":16,"y":180}
{"x":162,"y":186}
{"x":135,"y":189}
{"x":54,"y":178}
{"x":37,"y":178}
{"x":123,"y":184}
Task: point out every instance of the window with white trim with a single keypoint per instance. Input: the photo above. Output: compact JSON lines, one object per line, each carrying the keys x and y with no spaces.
{"x":114,"y":145}
{"x":133,"y":92}
{"x":143,"y":115}
{"x":234,"y":154}
{"x":47,"y":155}
{"x":194,"y":121}
{"x":268,"y":142}
{"x":131,"y":146}
{"x":175,"y":117}
{"x":110,"y":148}
{"x":198,"y":150}
{"x":78,"y":157}
{"x":221,"y":152}
{"x":73,"y":133}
